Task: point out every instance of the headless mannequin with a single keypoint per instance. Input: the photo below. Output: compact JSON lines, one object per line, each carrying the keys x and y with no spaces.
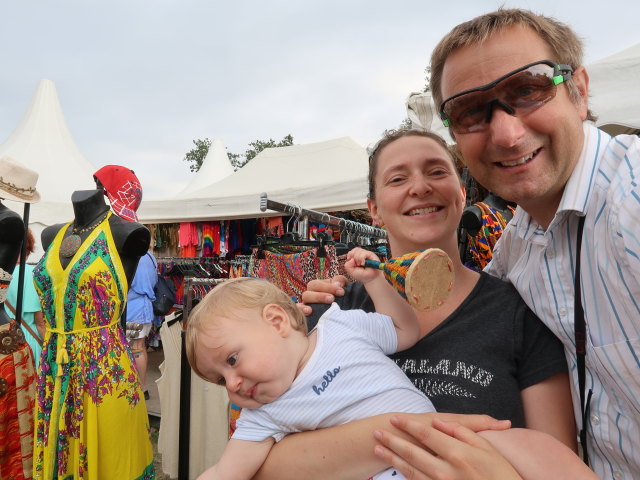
{"x":11,"y":234}
{"x":472,"y":215}
{"x":132,"y":239}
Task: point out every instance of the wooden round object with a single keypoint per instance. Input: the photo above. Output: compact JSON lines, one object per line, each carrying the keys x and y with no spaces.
{"x":429,"y":280}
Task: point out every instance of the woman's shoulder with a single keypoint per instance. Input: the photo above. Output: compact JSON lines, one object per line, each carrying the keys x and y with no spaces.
{"x":490,"y":284}
{"x":494,"y":293}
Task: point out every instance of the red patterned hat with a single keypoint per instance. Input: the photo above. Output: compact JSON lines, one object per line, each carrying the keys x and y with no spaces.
{"x":123,"y":189}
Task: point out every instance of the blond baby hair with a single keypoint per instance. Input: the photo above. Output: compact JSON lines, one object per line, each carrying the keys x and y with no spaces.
{"x":227,"y":299}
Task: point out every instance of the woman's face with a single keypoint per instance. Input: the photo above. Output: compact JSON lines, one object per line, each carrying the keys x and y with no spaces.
{"x":418,"y":196}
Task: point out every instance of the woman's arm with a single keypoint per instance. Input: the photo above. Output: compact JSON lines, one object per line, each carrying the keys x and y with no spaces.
{"x":239,"y":461}
{"x":441,"y":450}
{"x":385,"y":299}
{"x":346,"y":452}
{"x":549,"y":409}
{"x":39,"y":321}
{"x":449,"y":450}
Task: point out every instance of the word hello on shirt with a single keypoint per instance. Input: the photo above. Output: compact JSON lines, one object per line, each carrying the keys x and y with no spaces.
{"x":326,"y":380}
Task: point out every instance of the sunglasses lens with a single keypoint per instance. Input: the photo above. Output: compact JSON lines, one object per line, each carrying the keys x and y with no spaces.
{"x":523,"y":91}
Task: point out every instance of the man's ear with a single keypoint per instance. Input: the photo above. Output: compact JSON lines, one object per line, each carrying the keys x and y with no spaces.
{"x":275,"y":316}
{"x":580,"y":79}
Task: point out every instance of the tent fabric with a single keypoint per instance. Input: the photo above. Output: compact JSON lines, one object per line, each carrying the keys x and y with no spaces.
{"x":324,"y":176}
{"x":215,"y":167}
{"x":42,"y":141}
{"x":614,"y":91}
{"x":423,"y":115}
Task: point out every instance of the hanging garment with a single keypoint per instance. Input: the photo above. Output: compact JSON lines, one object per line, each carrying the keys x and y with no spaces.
{"x":208,"y":431}
{"x":292,"y":271}
{"x":90,"y":420}
{"x":481,"y":246}
{"x":17,"y":381}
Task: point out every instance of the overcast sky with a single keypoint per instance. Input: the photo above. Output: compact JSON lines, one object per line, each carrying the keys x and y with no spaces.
{"x":138,"y":80}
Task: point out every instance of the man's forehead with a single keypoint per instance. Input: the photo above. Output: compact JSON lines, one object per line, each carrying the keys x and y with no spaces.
{"x":478,"y":64}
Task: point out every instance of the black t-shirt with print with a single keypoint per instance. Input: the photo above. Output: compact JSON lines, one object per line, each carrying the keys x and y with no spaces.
{"x":480,"y":357}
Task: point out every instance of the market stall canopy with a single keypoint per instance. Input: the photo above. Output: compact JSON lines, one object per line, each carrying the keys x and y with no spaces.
{"x":614,"y":91}
{"x":42,"y":141}
{"x":324,"y":176}
{"x":215,"y":167}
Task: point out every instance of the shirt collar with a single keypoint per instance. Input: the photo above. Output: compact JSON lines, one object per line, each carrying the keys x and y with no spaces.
{"x":580,"y":183}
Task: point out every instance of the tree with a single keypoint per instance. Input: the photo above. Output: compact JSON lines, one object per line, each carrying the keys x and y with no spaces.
{"x":197,"y":155}
{"x":239,"y":161}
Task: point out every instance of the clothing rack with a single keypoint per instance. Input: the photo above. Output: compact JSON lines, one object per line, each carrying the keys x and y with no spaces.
{"x":184,"y":425}
{"x":303,"y":215}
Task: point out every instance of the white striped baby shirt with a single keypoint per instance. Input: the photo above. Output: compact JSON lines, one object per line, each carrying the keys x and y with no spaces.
{"x":605,"y":187}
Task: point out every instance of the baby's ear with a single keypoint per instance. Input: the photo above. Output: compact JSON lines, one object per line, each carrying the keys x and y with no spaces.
{"x":275,"y":316}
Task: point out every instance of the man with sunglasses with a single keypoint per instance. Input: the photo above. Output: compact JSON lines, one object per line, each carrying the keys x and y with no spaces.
{"x":511,"y":88}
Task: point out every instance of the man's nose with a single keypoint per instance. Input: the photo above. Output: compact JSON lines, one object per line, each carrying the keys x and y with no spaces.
{"x":505,"y":129}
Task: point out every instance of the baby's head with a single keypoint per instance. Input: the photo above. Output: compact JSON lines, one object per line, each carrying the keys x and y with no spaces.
{"x":245,"y":335}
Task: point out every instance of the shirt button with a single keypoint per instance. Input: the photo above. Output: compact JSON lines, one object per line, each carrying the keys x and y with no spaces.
{"x":562,"y":311}
{"x":551,"y":253}
{"x":595,"y":419}
{"x":618,"y":475}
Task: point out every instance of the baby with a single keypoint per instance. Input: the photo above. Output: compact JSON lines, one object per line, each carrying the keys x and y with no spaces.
{"x":249,"y":336}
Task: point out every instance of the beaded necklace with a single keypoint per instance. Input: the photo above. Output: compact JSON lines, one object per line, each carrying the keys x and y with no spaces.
{"x":71,"y":244}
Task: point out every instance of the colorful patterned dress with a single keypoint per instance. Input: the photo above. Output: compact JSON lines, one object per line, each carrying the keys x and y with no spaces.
{"x":91,"y":420}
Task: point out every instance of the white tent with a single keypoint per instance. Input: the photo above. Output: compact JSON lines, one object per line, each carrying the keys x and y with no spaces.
{"x":324,"y":176}
{"x":42,"y":141}
{"x":614,"y":87}
{"x":215,"y":167}
{"x":422,"y":113}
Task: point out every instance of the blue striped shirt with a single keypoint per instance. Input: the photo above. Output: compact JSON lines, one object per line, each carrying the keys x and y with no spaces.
{"x":604,"y":187}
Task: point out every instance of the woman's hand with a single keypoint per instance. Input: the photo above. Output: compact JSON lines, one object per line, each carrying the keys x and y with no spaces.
{"x":354,"y":265}
{"x":449,"y":451}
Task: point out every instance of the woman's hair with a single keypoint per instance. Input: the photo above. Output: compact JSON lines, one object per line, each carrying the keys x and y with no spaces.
{"x":391,"y":136}
{"x":227,"y":299}
{"x":564,"y":43}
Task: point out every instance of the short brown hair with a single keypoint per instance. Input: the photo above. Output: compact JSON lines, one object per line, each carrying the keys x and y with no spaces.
{"x":230,"y":296}
{"x":564,"y":43}
{"x":391,"y":136}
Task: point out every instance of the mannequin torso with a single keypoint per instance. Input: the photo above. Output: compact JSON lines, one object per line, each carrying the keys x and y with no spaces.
{"x":132,"y":239}
{"x":472,"y":216}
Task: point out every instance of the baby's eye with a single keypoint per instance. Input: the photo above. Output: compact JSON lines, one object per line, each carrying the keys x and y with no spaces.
{"x":221,"y":381}
{"x":232,"y":359}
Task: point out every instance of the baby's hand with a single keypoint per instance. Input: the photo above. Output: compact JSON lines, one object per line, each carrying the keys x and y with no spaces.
{"x":355,"y":265}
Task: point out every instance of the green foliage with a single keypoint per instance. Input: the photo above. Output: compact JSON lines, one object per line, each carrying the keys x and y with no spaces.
{"x":197,"y":155}
{"x":239,"y":161}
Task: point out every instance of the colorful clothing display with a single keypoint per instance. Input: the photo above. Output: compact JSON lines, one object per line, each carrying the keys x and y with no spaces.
{"x":17,"y":391}
{"x":292,"y":271}
{"x":481,"y":245}
{"x":91,"y":419}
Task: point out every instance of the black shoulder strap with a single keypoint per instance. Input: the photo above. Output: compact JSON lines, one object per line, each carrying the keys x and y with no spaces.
{"x":581,"y":349}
